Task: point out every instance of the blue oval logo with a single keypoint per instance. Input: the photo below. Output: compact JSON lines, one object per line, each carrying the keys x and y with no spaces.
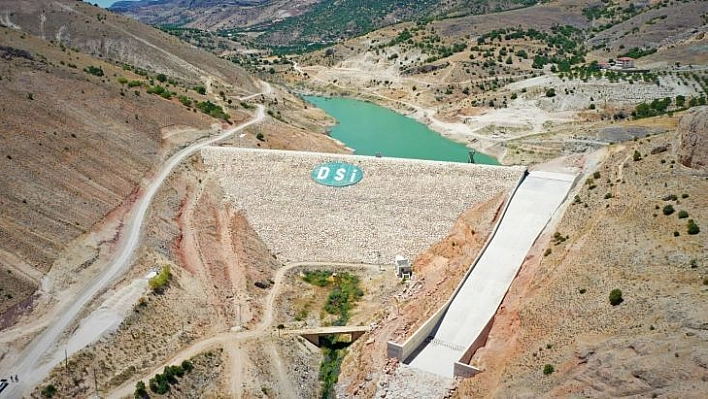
{"x":337,"y":174}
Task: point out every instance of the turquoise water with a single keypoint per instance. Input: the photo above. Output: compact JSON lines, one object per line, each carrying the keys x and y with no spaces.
{"x":370,"y":129}
{"x":105,"y":3}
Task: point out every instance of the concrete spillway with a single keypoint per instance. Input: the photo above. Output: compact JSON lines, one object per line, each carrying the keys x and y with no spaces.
{"x":449,"y":339}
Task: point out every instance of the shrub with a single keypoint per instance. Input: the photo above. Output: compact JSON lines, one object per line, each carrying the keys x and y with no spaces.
{"x":159,"y":282}
{"x":140,"y":391}
{"x":96,"y":71}
{"x":693,"y":228}
{"x":548,"y":369}
{"x":548,"y":252}
{"x":608,"y":195}
{"x":49,"y":391}
{"x":213,"y":110}
{"x":551,"y":92}
{"x":161,"y":77}
{"x":616,"y":297}
{"x":682,"y":214}
{"x":186,"y":101}
{"x":668,"y":209}
{"x":200,"y":89}
{"x":187,"y":366}
{"x":596,"y":174}
{"x":319,"y":278}
{"x":260,"y":136}
{"x":637,"y":156}
{"x":122,"y":80}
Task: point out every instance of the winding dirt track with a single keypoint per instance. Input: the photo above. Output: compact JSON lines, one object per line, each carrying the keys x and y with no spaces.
{"x":42,"y":354}
{"x":232,"y":341}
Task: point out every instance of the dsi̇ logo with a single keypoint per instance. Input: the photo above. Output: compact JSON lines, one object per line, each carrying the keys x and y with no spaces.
{"x":337,"y":174}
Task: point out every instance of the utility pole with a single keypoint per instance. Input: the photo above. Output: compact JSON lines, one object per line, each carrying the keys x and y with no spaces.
{"x":66,"y":366}
{"x":95,"y":382}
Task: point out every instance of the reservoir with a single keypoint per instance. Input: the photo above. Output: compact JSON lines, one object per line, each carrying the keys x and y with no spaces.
{"x":370,"y":129}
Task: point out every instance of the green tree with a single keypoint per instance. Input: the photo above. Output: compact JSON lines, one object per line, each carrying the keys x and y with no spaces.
{"x":49,"y":391}
{"x":140,"y":390}
{"x":96,"y":71}
{"x":693,"y":228}
{"x":161,"y":77}
{"x":668,"y":209}
{"x":616,"y":297}
{"x":548,"y":369}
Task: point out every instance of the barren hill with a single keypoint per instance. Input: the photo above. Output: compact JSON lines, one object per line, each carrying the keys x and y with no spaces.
{"x":627,"y":229}
{"x":74,"y":148}
{"x":90,"y":105}
{"x":106,"y":35}
{"x":300,"y":24}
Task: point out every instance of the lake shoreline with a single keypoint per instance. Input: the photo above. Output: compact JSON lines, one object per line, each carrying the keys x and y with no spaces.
{"x":373,"y":129}
{"x":417,"y":113}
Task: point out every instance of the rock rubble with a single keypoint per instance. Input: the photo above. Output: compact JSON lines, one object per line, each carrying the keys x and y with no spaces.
{"x":399,"y":207}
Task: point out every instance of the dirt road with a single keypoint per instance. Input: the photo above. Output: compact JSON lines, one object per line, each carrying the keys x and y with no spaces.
{"x":233,"y":340}
{"x":43,"y":353}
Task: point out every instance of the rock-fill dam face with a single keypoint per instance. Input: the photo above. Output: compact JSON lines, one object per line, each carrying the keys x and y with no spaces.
{"x":347,"y":208}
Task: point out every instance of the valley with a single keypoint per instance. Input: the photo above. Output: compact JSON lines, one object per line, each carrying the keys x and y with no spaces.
{"x":165,"y":233}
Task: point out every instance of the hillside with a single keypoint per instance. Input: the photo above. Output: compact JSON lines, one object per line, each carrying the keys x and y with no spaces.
{"x":106,"y":35}
{"x":94,"y":103}
{"x":298,"y":25}
{"x":624,"y":230}
{"x":524,"y":85}
{"x":62,"y":130}
{"x":90,"y":106}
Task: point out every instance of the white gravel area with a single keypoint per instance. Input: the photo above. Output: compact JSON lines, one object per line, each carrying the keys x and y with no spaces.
{"x":409,"y":383}
{"x":401,"y":206}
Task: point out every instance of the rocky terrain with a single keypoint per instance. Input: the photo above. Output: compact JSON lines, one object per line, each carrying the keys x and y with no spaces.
{"x":367,"y":222}
{"x":297,"y":24}
{"x":691,"y":143}
{"x":58,"y":141}
{"x":77,"y":144}
{"x":621,"y":234}
{"x":105,"y":35}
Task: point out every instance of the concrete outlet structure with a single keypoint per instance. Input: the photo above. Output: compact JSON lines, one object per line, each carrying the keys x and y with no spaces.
{"x":445,"y":344}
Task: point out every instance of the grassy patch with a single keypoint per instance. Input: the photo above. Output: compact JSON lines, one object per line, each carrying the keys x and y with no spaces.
{"x":340,"y":301}
{"x":159,"y":282}
{"x":334,"y":352}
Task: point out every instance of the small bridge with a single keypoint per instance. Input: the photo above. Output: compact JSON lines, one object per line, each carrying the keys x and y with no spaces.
{"x":313,"y":335}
